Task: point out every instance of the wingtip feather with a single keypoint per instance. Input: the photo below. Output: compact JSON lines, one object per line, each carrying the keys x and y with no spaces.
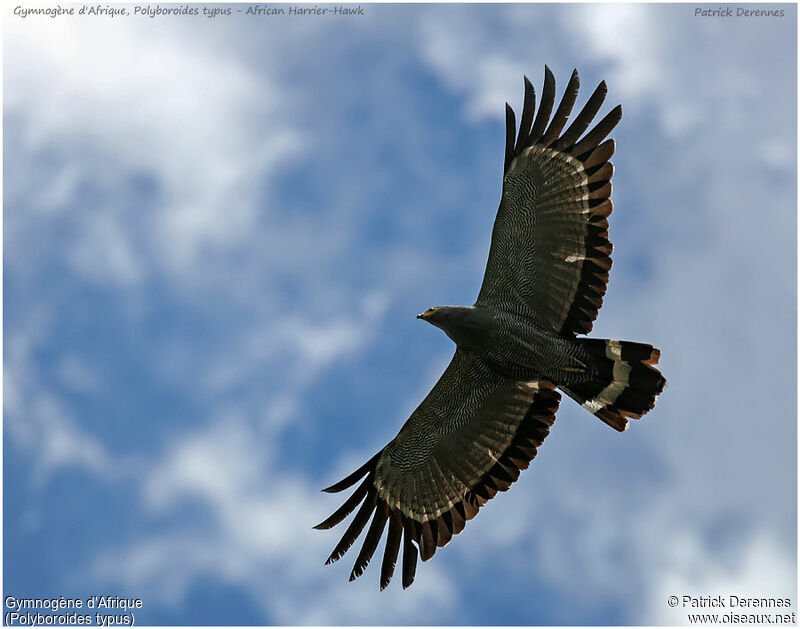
{"x":353,"y":478}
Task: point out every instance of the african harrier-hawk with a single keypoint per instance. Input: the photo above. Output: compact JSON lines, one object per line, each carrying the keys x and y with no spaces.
{"x":494,"y":405}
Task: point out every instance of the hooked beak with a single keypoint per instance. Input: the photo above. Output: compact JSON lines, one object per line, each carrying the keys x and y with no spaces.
{"x":424,"y":315}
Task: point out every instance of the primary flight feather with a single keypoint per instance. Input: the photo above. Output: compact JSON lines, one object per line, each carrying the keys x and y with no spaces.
{"x":545,"y":279}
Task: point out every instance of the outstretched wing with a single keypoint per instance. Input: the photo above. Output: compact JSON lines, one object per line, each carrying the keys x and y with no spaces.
{"x":467,"y":440}
{"x":550,"y":253}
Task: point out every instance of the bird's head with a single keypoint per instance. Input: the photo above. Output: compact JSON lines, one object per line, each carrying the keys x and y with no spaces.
{"x":427,"y":315}
{"x":435,"y":316}
{"x":445,"y":316}
{"x":468,"y":326}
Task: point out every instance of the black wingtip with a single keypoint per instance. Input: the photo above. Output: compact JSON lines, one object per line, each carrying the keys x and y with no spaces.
{"x":511,"y":118}
{"x":409,"y":553}
{"x":342,"y":484}
{"x":523,"y":136}
{"x":347,"y":507}
{"x":545,"y":106}
{"x":511,"y":134}
{"x":353,"y":478}
{"x":563,"y":111}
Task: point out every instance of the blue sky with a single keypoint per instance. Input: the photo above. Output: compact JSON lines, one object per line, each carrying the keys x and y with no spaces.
{"x":217,"y":234}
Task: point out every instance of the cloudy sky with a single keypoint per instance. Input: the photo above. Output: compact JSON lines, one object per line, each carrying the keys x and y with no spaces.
{"x":217,"y":234}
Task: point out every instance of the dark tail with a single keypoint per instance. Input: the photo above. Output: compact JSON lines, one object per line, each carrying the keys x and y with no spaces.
{"x":624,"y":383}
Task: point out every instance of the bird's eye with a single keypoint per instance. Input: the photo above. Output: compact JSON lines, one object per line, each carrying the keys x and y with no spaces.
{"x":430,"y":311}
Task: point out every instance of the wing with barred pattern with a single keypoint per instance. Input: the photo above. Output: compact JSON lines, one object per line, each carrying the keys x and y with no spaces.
{"x":467,"y":440}
{"x":550,"y":254}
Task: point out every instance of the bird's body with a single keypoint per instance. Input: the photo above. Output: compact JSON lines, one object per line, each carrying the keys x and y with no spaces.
{"x":516,"y":347}
{"x":545,"y":279}
{"x":511,"y":343}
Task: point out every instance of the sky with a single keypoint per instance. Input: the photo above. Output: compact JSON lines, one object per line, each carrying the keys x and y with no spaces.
{"x":217,"y":235}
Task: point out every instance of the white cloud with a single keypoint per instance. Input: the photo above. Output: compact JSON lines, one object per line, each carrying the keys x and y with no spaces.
{"x":36,"y":419}
{"x":759,"y":569}
{"x":628,"y":39}
{"x":105,"y":252}
{"x":204,"y":126}
{"x":466,"y":54}
{"x":460,"y":49}
{"x":261,"y":527}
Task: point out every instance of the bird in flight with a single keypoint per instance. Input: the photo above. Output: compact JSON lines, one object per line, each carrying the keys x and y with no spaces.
{"x":493,"y":406}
